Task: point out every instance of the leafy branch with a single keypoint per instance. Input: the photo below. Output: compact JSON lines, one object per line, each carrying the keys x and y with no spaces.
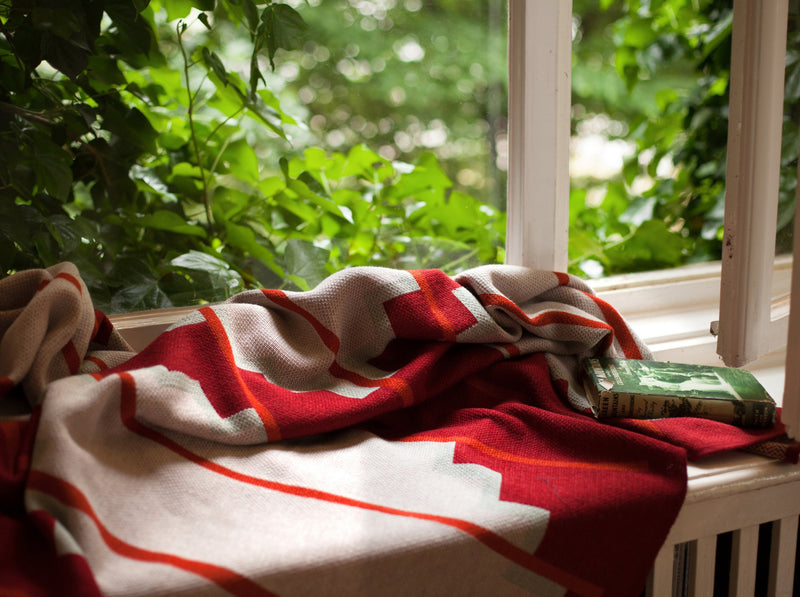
{"x":180,"y":29}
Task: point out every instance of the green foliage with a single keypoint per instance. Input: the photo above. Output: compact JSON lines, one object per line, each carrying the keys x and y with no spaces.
{"x":407,"y":78}
{"x":133,"y":150}
{"x":666,"y":208}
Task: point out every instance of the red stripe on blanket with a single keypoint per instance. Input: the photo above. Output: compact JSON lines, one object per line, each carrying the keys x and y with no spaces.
{"x":491,"y":540}
{"x":563,"y":279}
{"x":560,"y":317}
{"x":509,"y":350}
{"x":546,"y":318}
{"x":71,"y":496}
{"x":218,"y":330}
{"x":624,"y":336}
{"x":102,"y":328}
{"x":68,"y":574}
{"x":6,"y":385}
{"x":71,"y":279}
{"x":71,"y":357}
{"x":11,"y":434}
{"x":553,"y":317}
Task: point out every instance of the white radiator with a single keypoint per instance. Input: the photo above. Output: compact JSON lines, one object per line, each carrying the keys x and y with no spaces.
{"x":737,"y":534}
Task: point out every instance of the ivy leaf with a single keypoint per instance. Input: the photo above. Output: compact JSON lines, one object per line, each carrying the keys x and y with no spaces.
{"x":178,"y":9}
{"x":651,"y":246}
{"x":213,"y":62}
{"x":139,"y":293}
{"x":220,"y":272}
{"x":131,"y":126}
{"x":307,"y":263}
{"x":250,"y":13}
{"x":427,"y":176}
{"x":281,"y":27}
{"x":134,"y":32}
{"x":302,"y":188}
{"x":242,"y":161}
{"x":53,"y":168}
{"x":244,"y":239}
{"x":64,"y":55}
{"x":163,"y":219}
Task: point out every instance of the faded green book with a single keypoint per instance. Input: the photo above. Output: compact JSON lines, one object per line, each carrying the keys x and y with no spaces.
{"x":655,"y":390}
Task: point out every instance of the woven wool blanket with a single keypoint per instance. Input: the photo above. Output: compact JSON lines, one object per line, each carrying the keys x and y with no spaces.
{"x":387,"y":433}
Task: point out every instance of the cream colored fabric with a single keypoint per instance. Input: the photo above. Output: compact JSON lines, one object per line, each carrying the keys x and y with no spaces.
{"x":49,"y":329}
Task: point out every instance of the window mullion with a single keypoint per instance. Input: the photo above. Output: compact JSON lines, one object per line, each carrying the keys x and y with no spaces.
{"x":540,"y":64}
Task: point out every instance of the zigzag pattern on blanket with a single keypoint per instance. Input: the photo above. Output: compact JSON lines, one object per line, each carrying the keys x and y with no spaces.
{"x":383,"y":423}
{"x":389,"y":433}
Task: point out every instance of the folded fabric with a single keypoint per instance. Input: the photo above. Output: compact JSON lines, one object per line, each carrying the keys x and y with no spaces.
{"x":389,"y":432}
{"x":49,"y":329}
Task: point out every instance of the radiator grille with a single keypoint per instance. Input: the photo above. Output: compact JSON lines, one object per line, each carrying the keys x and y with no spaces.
{"x":752,"y":561}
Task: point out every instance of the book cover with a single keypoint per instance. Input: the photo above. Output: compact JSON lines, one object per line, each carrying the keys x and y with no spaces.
{"x":655,"y":389}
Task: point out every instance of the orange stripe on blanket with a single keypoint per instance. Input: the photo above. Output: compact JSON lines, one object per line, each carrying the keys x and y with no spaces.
{"x":70,"y":495}
{"x":636,"y":466}
{"x":485,"y":536}
{"x":331,"y":341}
{"x":447,"y":328}
{"x":400,"y":386}
{"x":546,"y":318}
{"x":218,"y":330}
{"x":623,"y":334}
{"x":99,"y":362}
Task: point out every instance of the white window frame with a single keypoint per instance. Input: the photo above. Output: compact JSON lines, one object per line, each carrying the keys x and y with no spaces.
{"x":539,"y":103}
{"x":746,"y":329}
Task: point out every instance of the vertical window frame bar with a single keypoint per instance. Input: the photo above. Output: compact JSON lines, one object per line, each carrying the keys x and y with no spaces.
{"x":790,"y":412}
{"x":540,"y":79}
{"x":752,"y":178}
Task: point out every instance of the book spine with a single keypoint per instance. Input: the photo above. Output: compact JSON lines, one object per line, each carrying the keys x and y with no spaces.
{"x":646,"y":406}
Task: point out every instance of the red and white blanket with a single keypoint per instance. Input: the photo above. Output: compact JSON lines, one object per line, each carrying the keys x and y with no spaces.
{"x":388,"y":433}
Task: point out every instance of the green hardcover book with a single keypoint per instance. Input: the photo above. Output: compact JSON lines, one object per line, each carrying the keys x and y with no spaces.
{"x":656,"y":390}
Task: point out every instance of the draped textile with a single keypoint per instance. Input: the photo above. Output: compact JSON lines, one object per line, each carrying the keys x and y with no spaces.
{"x":389,"y":432}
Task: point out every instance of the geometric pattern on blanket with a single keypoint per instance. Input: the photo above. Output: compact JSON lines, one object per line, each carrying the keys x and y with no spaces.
{"x":387,"y":433}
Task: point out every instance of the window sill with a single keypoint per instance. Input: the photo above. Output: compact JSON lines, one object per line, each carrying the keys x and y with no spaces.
{"x":672,"y":312}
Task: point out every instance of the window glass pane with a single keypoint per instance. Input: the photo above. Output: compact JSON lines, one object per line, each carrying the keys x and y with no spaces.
{"x":420,"y":84}
{"x":173,"y":169}
{"x":650,"y":97}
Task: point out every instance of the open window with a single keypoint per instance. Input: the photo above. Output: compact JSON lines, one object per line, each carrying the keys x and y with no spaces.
{"x":749,"y":325}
